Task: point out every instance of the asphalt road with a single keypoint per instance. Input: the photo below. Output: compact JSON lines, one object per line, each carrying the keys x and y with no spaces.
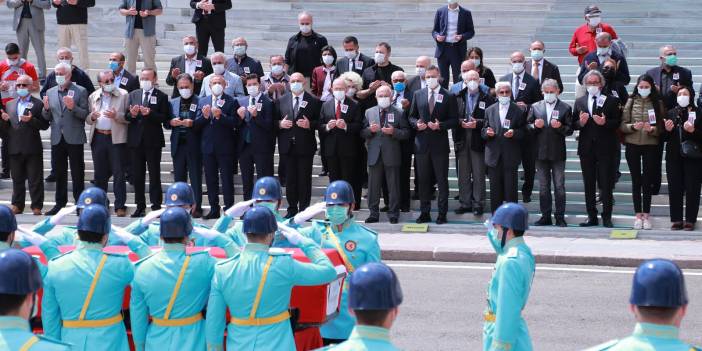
{"x":570,"y":307}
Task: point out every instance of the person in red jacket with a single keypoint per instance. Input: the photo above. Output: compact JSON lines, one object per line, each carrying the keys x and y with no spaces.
{"x":583,"y":41}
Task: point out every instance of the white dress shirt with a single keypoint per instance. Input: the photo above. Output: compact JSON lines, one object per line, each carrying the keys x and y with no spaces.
{"x":326,"y":90}
{"x":191,"y":65}
{"x":503,"y":114}
{"x":104,"y":123}
{"x":549,"y":110}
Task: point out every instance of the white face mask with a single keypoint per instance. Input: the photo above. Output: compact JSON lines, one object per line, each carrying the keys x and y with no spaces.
{"x":683,"y":100}
{"x":504,"y":100}
{"x":189,"y":49}
{"x":218,"y":69}
{"x":550,"y":97}
{"x":421,"y":71}
{"x":277,"y":69}
{"x":602,"y":51}
{"x":296,"y":87}
{"x":350,"y":92}
{"x":328,"y":59}
{"x":146,"y":85}
{"x":379,"y":57}
{"x":518,"y":67}
{"x":339,"y":94}
{"x":537,"y":55}
{"x":68,"y":62}
{"x":595,"y":21}
{"x":644,"y":92}
{"x":108,"y":88}
{"x":384,"y":102}
{"x":61,"y":80}
{"x":593,"y":89}
{"x":464,"y":76}
{"x":432,"y":83}
{"x":185,"y":93}
{"x":12,"y":62}
{"x":217,"y":89}
{"x":239,"y":50}
{"x":350,"y":54}
{"x":253,"y":90}
{"x":305,"y":28}
{"x":472,"y":85}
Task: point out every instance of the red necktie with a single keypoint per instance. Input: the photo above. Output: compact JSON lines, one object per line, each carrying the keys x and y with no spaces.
{"x":338,"y":109}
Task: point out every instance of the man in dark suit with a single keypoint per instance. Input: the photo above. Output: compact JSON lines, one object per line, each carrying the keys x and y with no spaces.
{"x":598,"y":118}
{"x":453,"y":27}
{"x":339,"y":129}
{"x":469,"y":146}
{"x":432,"y":114}
{"x":215,"y":121}
{"x":21,"y":122}
{"x":191,"y":62}
{"x":505,"y":126}
{"x":298,"y":117}
{"x":550,"y":121}
{"x":123,"y":79}
{"x":604,"y":51}
{"x":210,"y":21}
{"x":256,"y":134}
{"x":185,"y":140}
{"x":541,"y":68}
{"x":669,"y":77}
{"x":418,"y":82}
{"x":384,"y":127}
{"x":353,"y":59}
{"x":148,"y":110}
{"x":525,"y":91}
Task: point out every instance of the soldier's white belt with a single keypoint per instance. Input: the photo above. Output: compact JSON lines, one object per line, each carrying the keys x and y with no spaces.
{"x":260,"y":321}
{"x":177,"y":322}
{"x":93,"y":323}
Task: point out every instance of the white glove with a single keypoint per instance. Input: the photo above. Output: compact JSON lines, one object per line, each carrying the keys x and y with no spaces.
{"x":151,"y":216}
{"x":122,"y":234}
{"x":56,"y":219}
{"x":293,"y":236}
{"x":30,"y":236}
{"x":310,"y":212}
{"x":205,"y":233}
{"x":239,"y":208}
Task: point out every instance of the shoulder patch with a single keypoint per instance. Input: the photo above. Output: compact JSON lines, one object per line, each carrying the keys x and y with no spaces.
{"x":604,"y":346}
{"x":277,"y":251}
{"x":513,"y":252}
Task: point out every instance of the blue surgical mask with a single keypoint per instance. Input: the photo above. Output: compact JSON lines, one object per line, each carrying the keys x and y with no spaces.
{"x":537,"y":55}
{"x":113,"y":65}
{"x":399,"y":86}
{"x":337,"y":214}
{"x":22,"y":92}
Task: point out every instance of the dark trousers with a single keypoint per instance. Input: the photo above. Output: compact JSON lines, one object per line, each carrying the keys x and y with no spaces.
{"x":642,"y":178}
{"x":204,"y":32}
{"x":405,"y":174}
{"x":5,"y":154}
{"x":658,"y":169}
{"x":377,"y":175}
{"x":346,"y":168}
{"x":503,"y":185}
{"x":298,"y":190}
{"x":452,"y":57}
{"x":107,"y":161}
{"x":684,"y":179}
{"x":216,"y":167}
{"x":528,"y":164}
{"x":598,"y":173}
{"x":29,"y":168}
{"x":65,"y":154}
{"x":282,"y":175}
{"x":251,"y":162}
{"x":187,"y":163}
{"x":551,"y":171}
{"x":429,"y":164}
{"x":144,"y":159}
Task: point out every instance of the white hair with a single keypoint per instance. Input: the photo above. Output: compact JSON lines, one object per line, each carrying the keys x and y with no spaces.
{"x":63,"y":66}
{"x":594,"y":73}
{"x":354,"y":78}
{"x":398,"y":74}
{"x":499,"y":85}
{"x":549,"y":83}
{"x":218,"y":54}
{"x":339,"y":80}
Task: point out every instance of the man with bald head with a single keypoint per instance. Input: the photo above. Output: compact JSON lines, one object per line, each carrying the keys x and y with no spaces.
{"x":417,"y":82}
{"x":78,"y":76}
{"x":242,"y":64}
{"x":298,"y":118}
{"x":466,"y":66}
{"x":191,"y":62}
{"x":669,"y":76}
{"x":541,"y":68}
{"x":304,"y":50}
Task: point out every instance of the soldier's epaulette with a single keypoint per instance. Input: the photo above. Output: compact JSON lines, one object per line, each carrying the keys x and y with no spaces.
{"x":145,"y":258}
{"x":61,"y":255}
{"x":227,"y":260}
{"x":512,"y":252}
{"x":277,"y":251}
{"x":53,"y":341}
{"x":604,"y":346}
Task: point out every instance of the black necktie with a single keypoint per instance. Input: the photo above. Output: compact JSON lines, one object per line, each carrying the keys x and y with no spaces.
{"x":146,"y":99}
{"x":296,"y":107}
{"x":594,"y":105}
{"x":383,"y":117}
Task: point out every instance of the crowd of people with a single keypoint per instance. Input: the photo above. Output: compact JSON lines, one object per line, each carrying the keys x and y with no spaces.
{"x":371,"y":123}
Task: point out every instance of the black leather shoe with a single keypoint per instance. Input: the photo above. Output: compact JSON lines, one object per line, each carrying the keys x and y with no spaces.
{"x":477,"y":212}
{"x":423,"y":218}
{"x":526,"y":198}
{"x":155,"y":207}
{"x":213,"y":214}
{"x":372,"y":220}
{"x":384,"y":209}
{"x":393,"y":220}
{"x":139,"y":212}
{"x":607,"y":223}
{"x":324,"y":174}
{"x":591,"y":222}
{"x":544,"y":220}
{"x":404,"y":209}
{"x":457,"y":197}
{"x":560,"y":222}
{"x":53,"y":211}
{"x":197,"y":213}
{"x":461,"y":210}
{"x":441,"y":219}
{"x":290,"y":214}
{"x":50,"y":179}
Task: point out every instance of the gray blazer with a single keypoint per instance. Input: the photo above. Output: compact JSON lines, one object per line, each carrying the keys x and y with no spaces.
{"x":36,"y":8}
{"x":69,"y":124}
{"x":149,"y":23}
{"x":382,"y":147}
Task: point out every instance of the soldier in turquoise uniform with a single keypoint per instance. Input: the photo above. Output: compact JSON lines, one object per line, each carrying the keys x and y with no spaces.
{"x":171,"y":287}
{"x":374,"y":297}
{"x":19,"y":282}
{"x":659,"y":303}
{"x":256,"y":286}
{"x":504,"y":327}
{"x":84,"y":289}
{"x":356,"y":244}
{"x":10,"y":234}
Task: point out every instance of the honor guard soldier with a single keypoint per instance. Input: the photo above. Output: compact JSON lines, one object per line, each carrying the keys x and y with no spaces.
{"x":171,"y":287}
{"x":256,"y":286}
{"x":504,"y":327}
{"x":659,"y":303}
{"x":8,"y":226}
{"x":374,"y":297}
{"x":19,"y":282}
{"x":84,"y":289}
{"x":355,"y":243}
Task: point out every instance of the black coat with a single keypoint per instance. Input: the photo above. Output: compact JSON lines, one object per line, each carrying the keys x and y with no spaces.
{"x":217,"y":18}
{"x":477,"y":143}
{"x":603,"y":139}
{"x":445,"y":112}
{"x":498,"y":146}
{"x":550,"y":142}
{"x":23,"y":138}
{"x":339,"y":142}
{"x":299,"y":141}
{"x":179,"y":62}
{"x":147,"y":131}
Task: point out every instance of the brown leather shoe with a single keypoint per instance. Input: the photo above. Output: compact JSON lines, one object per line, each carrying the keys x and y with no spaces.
{"x":16,"y":210}
{"x":676,"y":226}
{"x":36,"y":211}
{"x":121,"y":212}
{"x":689,"y":227}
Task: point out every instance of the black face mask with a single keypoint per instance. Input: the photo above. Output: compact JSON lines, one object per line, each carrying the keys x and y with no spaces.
{"x":608,"y":73}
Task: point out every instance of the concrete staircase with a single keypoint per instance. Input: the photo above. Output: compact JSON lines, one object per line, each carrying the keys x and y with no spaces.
{"x":501,"y":28}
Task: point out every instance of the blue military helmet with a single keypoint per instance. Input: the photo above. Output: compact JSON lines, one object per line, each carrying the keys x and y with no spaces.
{"x":266,"y":189}
{"x":8,"y":223}
{"x":92,"y":195}
{"x":179,"y":194}
{"x":175,"y":223}
{"x":512,"y":215}
{"x":19,"y":273}
{"x":374,"y":286}
{"x":94,"y":218}
{"x":259,"y":220}
{"x":339,"y":193}
{"x":658,"y":283}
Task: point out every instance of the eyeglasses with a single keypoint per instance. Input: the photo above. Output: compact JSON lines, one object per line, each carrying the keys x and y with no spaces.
{"x":21,"y":85}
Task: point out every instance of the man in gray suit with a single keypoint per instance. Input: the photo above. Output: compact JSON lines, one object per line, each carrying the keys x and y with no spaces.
{"x":384,"y":126}
{"x":66,"y":107}
{"x":29,"y":25}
